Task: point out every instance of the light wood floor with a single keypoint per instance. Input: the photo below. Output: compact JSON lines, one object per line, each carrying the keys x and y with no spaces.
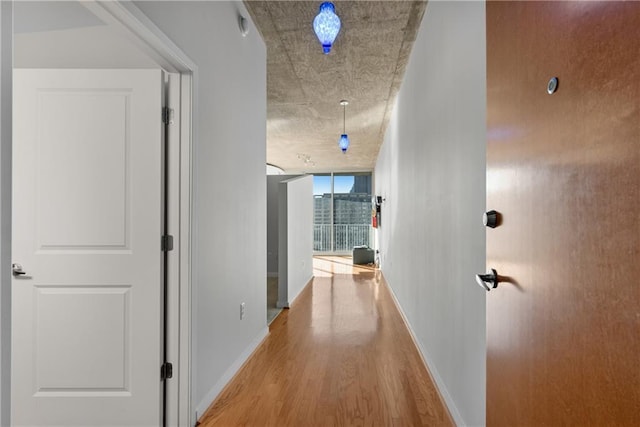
{"x":340,"y":356}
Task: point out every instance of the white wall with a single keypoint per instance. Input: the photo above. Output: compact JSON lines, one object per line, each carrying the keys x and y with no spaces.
{"x":65,"y":34}
{"x":295,"y":240}
{"x":272,"y":221}
{"x":6,"y":35}
{"x":229,"y":194}
{"x":431,"y":170}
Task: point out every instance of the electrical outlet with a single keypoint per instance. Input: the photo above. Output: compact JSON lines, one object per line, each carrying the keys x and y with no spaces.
{"x":241,"y":311}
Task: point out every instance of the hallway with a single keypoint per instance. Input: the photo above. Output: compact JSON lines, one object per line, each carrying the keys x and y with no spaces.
{"x":341,"y":355}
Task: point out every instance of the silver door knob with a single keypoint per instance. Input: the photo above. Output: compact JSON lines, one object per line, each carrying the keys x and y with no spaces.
{"x":488,"y":281}
{"x":16,"y":269}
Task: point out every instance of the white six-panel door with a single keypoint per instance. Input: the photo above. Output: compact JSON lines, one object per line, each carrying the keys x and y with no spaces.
{"x":87,"y":223}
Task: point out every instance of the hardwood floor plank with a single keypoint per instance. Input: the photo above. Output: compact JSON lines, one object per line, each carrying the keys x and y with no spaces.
{"x":341,"y":356}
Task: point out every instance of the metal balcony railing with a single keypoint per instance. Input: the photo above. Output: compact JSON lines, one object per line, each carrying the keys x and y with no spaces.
{"x":346,"y":236}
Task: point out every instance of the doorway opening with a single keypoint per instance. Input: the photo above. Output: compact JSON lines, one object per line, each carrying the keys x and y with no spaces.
{"x":117,"y":35}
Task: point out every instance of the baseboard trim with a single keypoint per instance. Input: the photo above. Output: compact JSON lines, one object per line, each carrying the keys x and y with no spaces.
{"x":441,"y":388}
{"x":287,"y":304}
{"x":292,"y":300}
{"x":226,"y":378}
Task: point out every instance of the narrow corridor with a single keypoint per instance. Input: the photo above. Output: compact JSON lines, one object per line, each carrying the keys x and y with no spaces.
{"x":341,"y":355}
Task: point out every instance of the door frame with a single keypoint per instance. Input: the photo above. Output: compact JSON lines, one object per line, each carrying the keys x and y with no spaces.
{"x":6,"y":101}
{"x":130,"y":21}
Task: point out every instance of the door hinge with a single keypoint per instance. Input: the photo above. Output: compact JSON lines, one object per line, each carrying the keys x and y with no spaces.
{"x":166,"y":371}
{"x":167,"y":115}
{"x":167,"y":243}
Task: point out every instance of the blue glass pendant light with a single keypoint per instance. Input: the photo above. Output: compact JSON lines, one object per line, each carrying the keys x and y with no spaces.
{"x":344,"y":142}
{"x":326,"y":25}
{"x":344,"y":138}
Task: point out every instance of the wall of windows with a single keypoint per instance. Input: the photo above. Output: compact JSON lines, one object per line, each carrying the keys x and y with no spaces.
{"x":342,"y":211}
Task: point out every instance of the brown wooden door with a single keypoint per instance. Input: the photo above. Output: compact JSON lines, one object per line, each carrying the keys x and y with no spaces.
{"x":563,"y":331}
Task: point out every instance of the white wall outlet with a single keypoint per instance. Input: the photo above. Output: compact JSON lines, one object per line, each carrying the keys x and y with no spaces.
{"x":241,"y":311}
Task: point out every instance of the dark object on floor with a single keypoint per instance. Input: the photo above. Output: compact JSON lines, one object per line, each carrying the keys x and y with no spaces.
{"x":363,"y":255}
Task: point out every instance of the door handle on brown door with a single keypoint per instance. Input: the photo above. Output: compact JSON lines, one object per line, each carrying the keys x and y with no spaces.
{"x":488,"y":281}
{"x":16,"y":270}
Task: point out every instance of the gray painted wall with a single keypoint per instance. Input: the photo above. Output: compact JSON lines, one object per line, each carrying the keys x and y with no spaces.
{"x":295,"y":237}
{"x":431,"y":170}
{"x":65,"y":34}
{"x":229,"y":195}
{"x":6,"y":36}
{"x":272,"y":221}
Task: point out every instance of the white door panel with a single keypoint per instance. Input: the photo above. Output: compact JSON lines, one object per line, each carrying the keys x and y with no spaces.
{"x":96,"y":215}
{"x":87,"y":221}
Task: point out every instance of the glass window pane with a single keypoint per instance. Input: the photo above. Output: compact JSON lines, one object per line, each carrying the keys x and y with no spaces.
{"x":342,"y":211}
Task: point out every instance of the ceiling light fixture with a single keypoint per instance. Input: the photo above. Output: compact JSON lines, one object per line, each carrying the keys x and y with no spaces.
{"x":326,"y":25}
{"x":244,"y":25}
{"x":306,"y":159}
{"x":344,"y":138}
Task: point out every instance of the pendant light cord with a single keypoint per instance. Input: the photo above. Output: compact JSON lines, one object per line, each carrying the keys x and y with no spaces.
{"x":344,"y":119}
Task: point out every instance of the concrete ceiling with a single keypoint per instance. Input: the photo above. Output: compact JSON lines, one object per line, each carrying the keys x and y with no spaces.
{"x":304,"y":86}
